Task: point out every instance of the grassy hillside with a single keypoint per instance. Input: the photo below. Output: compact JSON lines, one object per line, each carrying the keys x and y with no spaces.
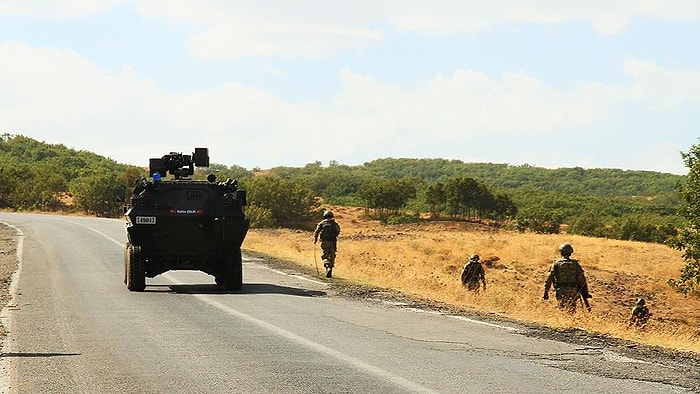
{"x":425,"y":260}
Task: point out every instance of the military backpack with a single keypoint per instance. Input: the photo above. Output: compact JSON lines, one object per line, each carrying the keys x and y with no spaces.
{"x":567,"y":273}
{"x":329,"y":230}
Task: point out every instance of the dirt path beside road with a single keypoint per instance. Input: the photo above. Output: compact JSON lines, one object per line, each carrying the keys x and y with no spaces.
{"x":8,"y":266}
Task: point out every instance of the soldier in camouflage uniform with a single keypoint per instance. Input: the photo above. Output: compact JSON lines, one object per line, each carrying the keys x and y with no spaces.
{"x":328,"y":230}
{"x":640,"y":314}
{"x":568,"y":279}
{"x":473,"y":273}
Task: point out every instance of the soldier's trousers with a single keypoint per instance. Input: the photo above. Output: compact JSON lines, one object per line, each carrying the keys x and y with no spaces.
{"x":472,"y":285}
{"x":328,"y":250}
{"x":568,"y":298}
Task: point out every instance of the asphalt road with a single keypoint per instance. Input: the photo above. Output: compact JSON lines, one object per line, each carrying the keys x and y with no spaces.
{"x":74,"y":328}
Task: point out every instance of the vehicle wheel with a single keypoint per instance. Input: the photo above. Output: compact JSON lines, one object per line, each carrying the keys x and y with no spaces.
{"x":233,"y":269}
{"x":135,"y":269}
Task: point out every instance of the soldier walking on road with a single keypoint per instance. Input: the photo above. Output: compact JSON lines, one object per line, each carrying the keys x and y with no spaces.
{"x":473,"y":273}
{"x":568,"y":279}
{"x":328,"y":230}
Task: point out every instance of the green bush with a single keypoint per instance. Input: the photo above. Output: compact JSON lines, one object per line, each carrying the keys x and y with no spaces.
{"x":260,"y":217}
{"x":403,"y":219}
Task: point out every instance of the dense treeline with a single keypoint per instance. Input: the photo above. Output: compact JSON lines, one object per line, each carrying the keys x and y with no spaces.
{"x":606,"y":182}
{"x":637,"y":205}
{"x":39,"y":176}
{"x":633,"y":205}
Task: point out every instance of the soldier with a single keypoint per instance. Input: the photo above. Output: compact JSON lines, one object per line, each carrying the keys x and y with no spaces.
{"x":328,"y":230}
{"x":473,"y":273}
{"x":568,"y":279}
{"x":640,"y":314}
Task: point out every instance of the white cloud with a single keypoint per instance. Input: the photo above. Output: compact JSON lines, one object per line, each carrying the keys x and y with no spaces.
{"x":605,"y":17}
{"x":240,"y":28}
{"x":243,"y":39}
{"x":470,"y":103}
{"x":312,"y":28}
{"x":663,"y":87}
{"x":272,"y":70}
{"x":317,"y":28}
{"x":60,"y":97}
{"x":55,"y":9}
{"x":667,"y":158}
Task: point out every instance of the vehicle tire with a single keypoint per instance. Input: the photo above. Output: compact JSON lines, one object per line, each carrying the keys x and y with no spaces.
{"x":233,"y":269}
{"x":135,"y":269}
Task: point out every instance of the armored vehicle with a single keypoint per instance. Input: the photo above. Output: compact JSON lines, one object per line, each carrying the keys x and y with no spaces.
{"x":184,"y":224}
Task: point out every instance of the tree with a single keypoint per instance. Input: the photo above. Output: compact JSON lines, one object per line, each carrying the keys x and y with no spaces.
{"x":467,"y":197}
{"x":39,"y":188}
{"x":94,"y":193}
{"x":387,"y":196}
{"x":539,"y":220}
{"x":504,"y":206}
{"x":222,"y":172}
{"x":589,"y":225}
{"x":436,"y":198}
{"x":279,"y":202}
{"x":688,"y":239}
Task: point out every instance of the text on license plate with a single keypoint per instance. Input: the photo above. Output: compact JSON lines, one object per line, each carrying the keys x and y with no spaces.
{"x":145,"y":220}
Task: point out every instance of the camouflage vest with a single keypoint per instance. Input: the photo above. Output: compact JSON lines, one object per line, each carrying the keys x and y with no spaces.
{"x":328,"y":231}
{"x":567,"y":272}
{"x":470,"y":273}
{"x":640,"y":311}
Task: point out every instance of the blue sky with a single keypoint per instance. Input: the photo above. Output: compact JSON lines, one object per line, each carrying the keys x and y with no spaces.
{"x":594,"y":84}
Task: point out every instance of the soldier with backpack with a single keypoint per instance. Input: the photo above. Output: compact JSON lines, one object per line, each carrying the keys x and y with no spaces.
{"x":568,"y":279}
{"x":473,"y":273}
{"x":328,"y":230}
{"x":640,"y":314}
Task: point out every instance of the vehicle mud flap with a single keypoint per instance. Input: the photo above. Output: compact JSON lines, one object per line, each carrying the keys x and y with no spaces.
{"x":127,"y":246}
{"x":135,"y":269}
{"x":233,"y":269}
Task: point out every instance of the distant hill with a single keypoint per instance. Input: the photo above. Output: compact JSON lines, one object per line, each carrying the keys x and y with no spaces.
{"x":67,"y":162}
{"x":71,"y":163}
{"x":576,"y":180}
{"x":36,"y":175}
{"x":601,"y":202}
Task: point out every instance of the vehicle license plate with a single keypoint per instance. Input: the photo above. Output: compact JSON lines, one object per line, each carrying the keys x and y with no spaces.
{"x":145,"y":220}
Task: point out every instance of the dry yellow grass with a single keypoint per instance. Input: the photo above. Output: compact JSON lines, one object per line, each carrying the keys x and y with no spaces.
{"x":426,"y":260}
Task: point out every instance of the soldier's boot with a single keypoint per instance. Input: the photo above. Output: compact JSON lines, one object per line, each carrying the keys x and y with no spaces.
{"x":329,"y":269}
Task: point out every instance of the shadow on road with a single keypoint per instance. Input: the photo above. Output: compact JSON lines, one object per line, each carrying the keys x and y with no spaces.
{"x":248,"y":288}
{"x":30,"y":354}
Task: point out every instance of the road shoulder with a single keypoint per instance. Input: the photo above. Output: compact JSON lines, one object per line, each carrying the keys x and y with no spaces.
{"x":8,"y":266}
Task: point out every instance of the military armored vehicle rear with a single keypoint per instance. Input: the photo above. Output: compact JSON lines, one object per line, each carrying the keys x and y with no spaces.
{"x":184,"y":224}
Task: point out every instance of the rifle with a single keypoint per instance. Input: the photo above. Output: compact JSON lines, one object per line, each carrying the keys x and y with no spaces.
{"x":584,"y":299}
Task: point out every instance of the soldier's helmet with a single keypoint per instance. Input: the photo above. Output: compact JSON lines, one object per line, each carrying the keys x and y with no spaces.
{"x":640,"y":301}
{"x":474,"y":257}
{"x":566,"y":249}
{"x":327,"y":214}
